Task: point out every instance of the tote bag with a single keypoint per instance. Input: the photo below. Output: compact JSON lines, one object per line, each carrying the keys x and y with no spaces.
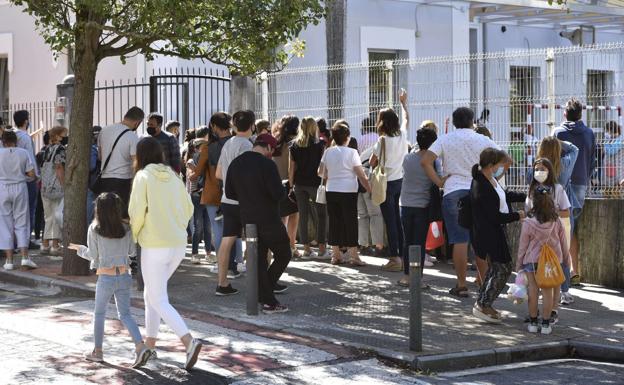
{"x":379,"y":179}
{"x":321,"y":197}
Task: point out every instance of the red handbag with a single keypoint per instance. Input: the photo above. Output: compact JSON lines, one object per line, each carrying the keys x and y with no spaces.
{"x":435,"y":236}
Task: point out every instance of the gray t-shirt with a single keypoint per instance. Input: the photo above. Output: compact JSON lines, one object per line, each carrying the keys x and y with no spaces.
{"x":231,"y":149}
{"x":14,"y":164}
{"x":416,"y":188}
{"x":120,"y":165}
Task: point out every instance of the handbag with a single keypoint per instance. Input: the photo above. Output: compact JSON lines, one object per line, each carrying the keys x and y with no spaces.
{"x":96,"y":186}
{"x":435,"y":236}
{"x":379,"y":179}
{"x":549,"y":273}
{"x":321,"y":196}
{"x":51,"y":187}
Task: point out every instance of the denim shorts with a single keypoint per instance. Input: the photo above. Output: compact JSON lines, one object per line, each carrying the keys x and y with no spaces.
{"x":579,"y":192}
{"x":450,"y":212}
{"x":530,"y":267}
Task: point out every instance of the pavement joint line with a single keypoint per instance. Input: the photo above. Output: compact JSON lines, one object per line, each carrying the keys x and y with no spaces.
{"x":434,"y":363}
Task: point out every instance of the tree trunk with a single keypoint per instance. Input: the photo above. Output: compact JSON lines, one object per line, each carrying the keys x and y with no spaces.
{"x":80,"y":133}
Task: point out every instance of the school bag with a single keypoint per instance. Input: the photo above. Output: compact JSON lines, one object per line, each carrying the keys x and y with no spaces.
{"x":378,"y":178}
{"x":549,"y":273}
{"x":51,"y":187}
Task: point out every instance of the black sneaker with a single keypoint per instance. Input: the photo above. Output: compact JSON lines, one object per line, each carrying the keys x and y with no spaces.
{"x":278,"y":289}
{"x":277,"y":308}
{"x":225,"y":290}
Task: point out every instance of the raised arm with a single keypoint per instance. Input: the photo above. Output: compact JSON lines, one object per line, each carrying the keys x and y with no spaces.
{"x":427,"y":163}
{"x":403,"y":102}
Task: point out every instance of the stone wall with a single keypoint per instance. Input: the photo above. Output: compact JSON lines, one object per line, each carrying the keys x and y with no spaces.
{"x":601,"y":236}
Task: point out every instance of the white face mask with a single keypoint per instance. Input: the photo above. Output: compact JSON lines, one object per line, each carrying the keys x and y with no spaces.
{"x":541,"y":176}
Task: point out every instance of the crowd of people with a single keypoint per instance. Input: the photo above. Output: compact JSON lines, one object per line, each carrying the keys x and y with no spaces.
{"x":298,"y":182}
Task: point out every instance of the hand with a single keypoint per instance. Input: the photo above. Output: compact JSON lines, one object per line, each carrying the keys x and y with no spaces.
{"x":522,"y":214}
{"x":622,"y":183}
{"x":403,"y":96}
{"x":443,"y":181}
{"x":74,"y":246}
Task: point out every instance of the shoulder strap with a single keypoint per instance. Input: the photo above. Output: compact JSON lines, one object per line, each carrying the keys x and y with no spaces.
{"x":382,"y":152}
{"x":112,"y":149}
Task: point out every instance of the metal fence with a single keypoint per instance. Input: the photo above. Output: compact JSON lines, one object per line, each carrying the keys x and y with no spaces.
{"x":41,"y":118}
{"x":517,"y":95}
{"x":188,"y":95}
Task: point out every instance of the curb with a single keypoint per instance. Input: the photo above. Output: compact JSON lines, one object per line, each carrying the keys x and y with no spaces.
{"x":427,"y":363}
{"x":34,"y":280}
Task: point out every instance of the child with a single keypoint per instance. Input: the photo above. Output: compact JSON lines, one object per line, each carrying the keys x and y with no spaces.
{"x":544,"y":174}
{"x":542,"y":226}
{"x":109,"y":246}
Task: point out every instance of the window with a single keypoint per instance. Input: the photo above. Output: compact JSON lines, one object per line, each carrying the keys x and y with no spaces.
{"x":378,"y":80}
{"x":598,"y":87}
{"x":523,"y":90}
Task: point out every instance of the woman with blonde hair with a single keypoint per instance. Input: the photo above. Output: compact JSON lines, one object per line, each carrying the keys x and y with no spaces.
{"x":52,"y":188}
{"x":306,"y":152}
{"x":562,"y":155}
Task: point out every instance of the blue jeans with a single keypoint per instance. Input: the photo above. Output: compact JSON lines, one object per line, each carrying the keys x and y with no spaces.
{"x":201,"y":226}
{"x":456,"y":233}
{"x":392,"y":216}
{"x":119,"y":286}
{"x":579,"y":192}
{"x":32,"y":203}
{"x":415,"y":226}
{"x":236,"y":254}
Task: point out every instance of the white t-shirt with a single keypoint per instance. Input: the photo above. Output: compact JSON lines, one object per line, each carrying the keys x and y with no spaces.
{"x":14,"y":164}
{"x":230,"y":151}
{"x":502,"y":198}
{"x":396,"y":149}
{"x":459,"y":151}
{"x":340,"y":162}
{"x":560,"y":197}
{"x":120,"y":164}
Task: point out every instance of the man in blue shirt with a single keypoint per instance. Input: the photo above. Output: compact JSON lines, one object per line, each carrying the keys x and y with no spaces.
{"x":573,"y":130}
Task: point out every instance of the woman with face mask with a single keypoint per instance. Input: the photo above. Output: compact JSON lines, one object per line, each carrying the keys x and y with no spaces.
{"x":490,"y":213}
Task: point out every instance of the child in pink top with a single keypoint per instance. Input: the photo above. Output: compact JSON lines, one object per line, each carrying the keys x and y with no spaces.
{"x":542,"y":226}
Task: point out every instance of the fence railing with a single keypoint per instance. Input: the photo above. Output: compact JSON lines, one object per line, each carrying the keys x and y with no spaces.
{"x":516,"y":94}
{"x":41,"y":118}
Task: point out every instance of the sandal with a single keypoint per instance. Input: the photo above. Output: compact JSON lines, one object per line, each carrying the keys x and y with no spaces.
{"x":403,"y":283}
{"x":337,"y":261}
{"x":392,"y":266}
{"x":357,"y":262}
{"x":94,"y":356}
{"x":461,"y":292}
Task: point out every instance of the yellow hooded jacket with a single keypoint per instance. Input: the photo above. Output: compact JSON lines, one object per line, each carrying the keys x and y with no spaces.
{"x":160,"y":208}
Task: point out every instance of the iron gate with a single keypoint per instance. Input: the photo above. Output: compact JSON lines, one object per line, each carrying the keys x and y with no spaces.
{"x":189,"y":96}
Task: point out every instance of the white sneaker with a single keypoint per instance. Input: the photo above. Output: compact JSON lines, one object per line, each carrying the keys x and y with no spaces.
{"x":195,"y":259}
{"x":428,"y":263}
{"x":43,"y":249}
{"x":567,"y":299}
{"x":215,"y":269}
{"x":309,"y":255}
{"x":546,"y":329}
{"x":233,"y":275}
{"x":326,"y":255}
{"x":28,"y":263}
{"x":533,"y":327}
{"x":192,"y":353}
{"x":241,"y":267}
{"x":430,"y":258}
{"x":8,"y":266}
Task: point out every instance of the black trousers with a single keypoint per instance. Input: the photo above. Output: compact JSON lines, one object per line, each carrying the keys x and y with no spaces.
{"x":495,"y":280}
{"x":271,"y":236}
{"x":121,"y":187}
{"x":343,"y":222}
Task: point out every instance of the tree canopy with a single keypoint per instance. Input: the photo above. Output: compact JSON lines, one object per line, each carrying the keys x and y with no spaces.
{"x":245,"y":35}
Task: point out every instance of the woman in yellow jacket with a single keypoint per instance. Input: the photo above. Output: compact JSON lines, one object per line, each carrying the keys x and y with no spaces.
{"x":160,"y":229}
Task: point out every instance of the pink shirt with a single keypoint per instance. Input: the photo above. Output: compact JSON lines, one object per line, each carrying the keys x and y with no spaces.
{"x":534,"y":235}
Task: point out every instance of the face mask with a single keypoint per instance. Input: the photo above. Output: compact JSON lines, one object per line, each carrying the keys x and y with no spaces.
{"x":64,"y":141}
{"x":499,"y":171}
{"x":151,"y":130}
{"x":541,"y":176}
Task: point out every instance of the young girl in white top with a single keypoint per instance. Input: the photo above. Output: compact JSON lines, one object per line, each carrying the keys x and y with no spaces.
{"x":109,"y":247}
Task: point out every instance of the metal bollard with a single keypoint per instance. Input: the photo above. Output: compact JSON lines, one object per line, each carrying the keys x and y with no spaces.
{"x":251,"y":239}
{"x":415,"y":332}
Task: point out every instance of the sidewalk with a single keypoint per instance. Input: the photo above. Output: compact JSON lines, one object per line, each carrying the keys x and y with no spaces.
{"x":364,"y":308}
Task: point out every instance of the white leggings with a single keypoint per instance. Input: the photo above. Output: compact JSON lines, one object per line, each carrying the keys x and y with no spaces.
{"x":157,"y":266}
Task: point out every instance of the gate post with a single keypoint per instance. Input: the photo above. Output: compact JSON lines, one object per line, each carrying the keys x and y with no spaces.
{"x":251,"y":240}
{"x":242,"y":93}
{"x":389,"y":83}
{"x":153,"y":94}
{"x":550,"y":79}
{"x":415,"y":320}
{"x":264,"y":79}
